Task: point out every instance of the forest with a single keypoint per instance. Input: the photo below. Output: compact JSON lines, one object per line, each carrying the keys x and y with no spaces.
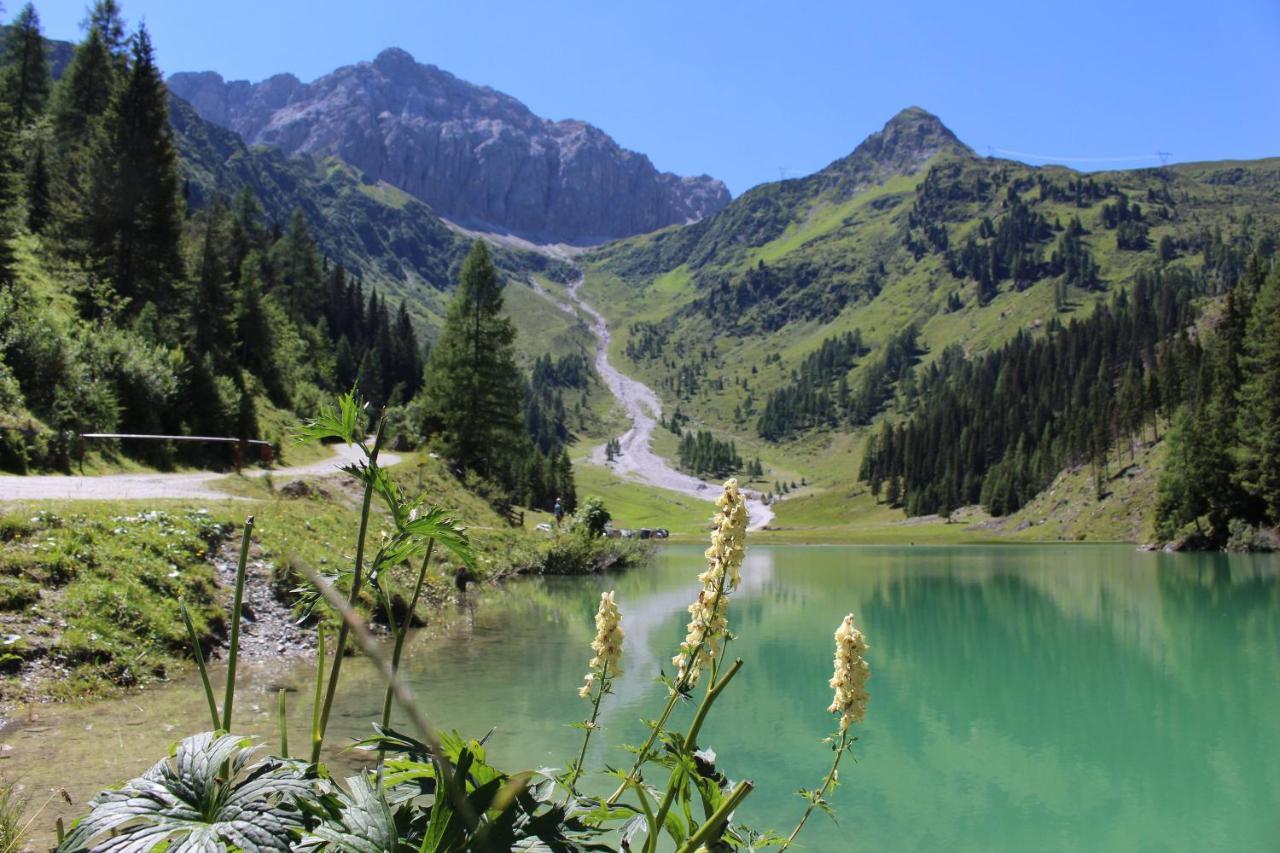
{"x":996,"y":429}
{"x":131,"y":303}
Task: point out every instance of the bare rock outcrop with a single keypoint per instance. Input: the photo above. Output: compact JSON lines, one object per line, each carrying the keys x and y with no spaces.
{"x":477,"y":156}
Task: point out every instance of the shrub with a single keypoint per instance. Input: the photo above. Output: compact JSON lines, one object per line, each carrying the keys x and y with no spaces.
{"x":592,"y":518}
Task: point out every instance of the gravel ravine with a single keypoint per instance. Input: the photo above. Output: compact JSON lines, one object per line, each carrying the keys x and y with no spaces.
{"x":267,"y":626}
{"x":185,"y":486}
{"x":637,"y":460}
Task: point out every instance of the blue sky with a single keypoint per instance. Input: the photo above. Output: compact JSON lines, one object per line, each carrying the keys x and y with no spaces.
{"x":747,"y":91}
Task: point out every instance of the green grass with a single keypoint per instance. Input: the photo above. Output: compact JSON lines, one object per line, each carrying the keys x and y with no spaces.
{"x":636,"y":505}
{"x":843,"y":236}
{"x":89,"y":590}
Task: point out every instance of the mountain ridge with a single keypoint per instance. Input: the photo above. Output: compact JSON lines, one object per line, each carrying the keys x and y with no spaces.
{"x":476,"y":155}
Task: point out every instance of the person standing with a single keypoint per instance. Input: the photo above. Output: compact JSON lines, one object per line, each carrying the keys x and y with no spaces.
{"x":559,"y":511}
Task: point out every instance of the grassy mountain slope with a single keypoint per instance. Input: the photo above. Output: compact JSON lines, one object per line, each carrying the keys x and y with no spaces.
{"x":718,"y":314}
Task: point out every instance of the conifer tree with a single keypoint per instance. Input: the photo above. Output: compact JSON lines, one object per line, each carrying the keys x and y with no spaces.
{"x":39,"y":203}
{"x":472,"y":387}
{"x":1259,"y":399}
{"x":83,"y":92}
{"x":135,"y":222}
{"x":106,"y":18}
{"x":214,"y":310}
{"x":25,"y":81}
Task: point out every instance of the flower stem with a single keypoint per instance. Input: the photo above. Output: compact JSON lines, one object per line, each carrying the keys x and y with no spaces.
{"x":716,"y":823}
{"x":817,"y":797}
{"x":233,"y":652}
{"x":344,"y":628}
{"x":690,"y":739}
{"x":681,"y":683}
{"x":591,"y":727}
{"x":403,"y":630}
{"x":316,"y":735}
{"x":204,"y":671}
{"x":284,"y":726}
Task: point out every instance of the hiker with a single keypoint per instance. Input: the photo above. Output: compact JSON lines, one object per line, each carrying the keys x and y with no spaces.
{"x":559,"y":511}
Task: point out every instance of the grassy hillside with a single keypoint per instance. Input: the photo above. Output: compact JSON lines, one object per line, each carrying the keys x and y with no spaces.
{"x":718,"y":315}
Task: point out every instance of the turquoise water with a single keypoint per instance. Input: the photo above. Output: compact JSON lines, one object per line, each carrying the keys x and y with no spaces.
{"x":1039,"y":697}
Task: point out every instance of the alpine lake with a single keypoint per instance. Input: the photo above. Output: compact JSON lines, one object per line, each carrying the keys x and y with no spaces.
{"x":1072,"y":697}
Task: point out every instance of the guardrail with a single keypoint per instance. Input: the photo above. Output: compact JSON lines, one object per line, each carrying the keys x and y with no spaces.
{"x":265,"y":451}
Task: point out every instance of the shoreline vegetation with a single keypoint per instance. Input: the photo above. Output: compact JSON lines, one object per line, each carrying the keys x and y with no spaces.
{"x":433,"y":790}
{"x":89,"y":590}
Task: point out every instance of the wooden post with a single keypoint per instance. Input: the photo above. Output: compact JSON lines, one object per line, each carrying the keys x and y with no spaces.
{"x":80,"y":438}
{"x":239,"y":455}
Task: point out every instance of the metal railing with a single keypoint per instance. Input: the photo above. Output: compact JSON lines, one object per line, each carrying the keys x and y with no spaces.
{"x":265,"y":451}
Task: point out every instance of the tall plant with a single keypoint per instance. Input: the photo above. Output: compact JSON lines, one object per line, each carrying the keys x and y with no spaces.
{"x":434,"y":791}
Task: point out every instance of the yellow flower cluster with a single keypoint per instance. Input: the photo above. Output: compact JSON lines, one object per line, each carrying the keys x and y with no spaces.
{"x":607,"y":645}
{"x":851,"y":674}
{"x":723,"y":574}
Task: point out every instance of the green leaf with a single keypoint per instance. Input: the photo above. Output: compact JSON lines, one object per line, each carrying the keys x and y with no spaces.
{"x":437,"y":524}
{"x":340,"y":423}
{"x":187,"y":801}
{"x":362,"y":822}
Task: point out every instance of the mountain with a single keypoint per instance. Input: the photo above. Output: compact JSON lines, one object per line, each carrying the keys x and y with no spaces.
{"x":477,"y":156}
{"x":892,"y":287}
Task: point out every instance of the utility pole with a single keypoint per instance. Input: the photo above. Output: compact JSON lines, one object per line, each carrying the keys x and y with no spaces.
{"x":1164,"y":158}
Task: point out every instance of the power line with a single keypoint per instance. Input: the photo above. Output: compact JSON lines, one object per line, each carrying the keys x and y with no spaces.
{"x":1056,"y":159}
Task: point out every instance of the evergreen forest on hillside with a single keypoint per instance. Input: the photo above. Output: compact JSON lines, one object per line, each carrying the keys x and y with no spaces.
{"x":135,"y":300}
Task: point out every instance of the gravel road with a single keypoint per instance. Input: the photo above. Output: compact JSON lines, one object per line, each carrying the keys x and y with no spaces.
{"x":637,"y":459}
{"x":191,"y":486}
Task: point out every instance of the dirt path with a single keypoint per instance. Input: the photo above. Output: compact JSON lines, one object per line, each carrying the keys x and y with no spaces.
{"x":185,"y":486}
{"x":637,"y":460}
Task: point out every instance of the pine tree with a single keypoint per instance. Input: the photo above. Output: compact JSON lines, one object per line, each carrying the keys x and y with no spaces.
{"x":135,"y":221}
{"x":83,"y":92}
{"x":106,"y":18}
{"x":214,"y":310}
{"x":39,"y":203}
{"x":298,"y":259}
{"x":472,"y":387}
{"x":1259,"y":399}
{"x":25,"y":81}
{"x":408,"y":357}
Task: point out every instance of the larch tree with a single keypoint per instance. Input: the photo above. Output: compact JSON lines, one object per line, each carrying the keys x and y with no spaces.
{"x":472,"y":387}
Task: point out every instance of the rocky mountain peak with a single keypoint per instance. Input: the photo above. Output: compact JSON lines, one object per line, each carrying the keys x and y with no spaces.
{"x":901,"y":147}
{"x":911,"y":137}
{"x":476,"y":155}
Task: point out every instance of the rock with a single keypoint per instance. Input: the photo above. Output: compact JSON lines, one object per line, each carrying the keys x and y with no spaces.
{"x":478,"y":156}
{"x":297,"y":489}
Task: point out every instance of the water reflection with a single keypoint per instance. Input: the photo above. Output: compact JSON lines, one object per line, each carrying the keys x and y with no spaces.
{"x":1049,"y":697}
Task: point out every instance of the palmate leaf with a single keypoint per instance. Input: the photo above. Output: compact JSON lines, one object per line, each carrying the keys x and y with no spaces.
{"x":340,"y":423}
{"x":358,"y":821}
{"x":185,"y":802}
{"x":436,"y":523}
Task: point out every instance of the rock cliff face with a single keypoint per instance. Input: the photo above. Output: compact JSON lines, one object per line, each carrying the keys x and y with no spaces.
{"x":477,"y":156}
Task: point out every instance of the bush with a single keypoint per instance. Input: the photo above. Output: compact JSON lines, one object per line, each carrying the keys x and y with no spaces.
{"x":1245,"y":538}
{"x":592,"y":518}
{"x":578,"y":555}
